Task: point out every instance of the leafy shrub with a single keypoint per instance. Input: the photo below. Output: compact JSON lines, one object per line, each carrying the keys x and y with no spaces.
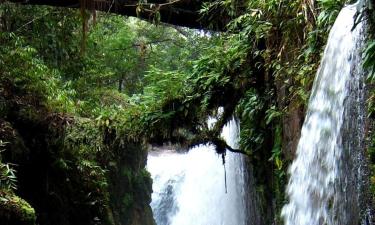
{"x":8,"y":179}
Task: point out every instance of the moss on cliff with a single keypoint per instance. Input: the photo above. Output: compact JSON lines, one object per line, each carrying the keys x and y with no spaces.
{"x":73,"y":171}
{"x":15,"y":210}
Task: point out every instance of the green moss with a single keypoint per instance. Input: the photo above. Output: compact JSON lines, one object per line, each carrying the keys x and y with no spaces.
{"x":15,"y":210}
{"x":27,"y":212}
{"x":127,"y":200}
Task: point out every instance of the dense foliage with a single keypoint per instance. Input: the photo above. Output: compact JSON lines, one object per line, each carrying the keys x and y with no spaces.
{"x":100,"y":87}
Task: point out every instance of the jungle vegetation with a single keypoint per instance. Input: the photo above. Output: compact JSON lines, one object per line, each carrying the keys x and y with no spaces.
{"x":84,"y":92}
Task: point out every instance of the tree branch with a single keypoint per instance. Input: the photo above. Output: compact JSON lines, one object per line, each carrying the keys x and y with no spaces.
{"x":179,"y":12}
{"x":220,"y":144}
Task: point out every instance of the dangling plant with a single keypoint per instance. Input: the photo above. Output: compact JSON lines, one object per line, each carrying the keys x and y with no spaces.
{"x":8,"y":179}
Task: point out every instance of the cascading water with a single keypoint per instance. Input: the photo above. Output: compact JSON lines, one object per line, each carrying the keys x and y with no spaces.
{"x":326,"y":178}
{"x":189,"y":188}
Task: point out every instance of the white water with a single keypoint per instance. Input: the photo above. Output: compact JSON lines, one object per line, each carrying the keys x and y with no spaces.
{"x":189,"y":188}
{"x":316,"y":188}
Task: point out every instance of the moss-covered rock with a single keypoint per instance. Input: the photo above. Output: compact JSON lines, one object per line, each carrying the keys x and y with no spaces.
{"x":15,"y":210}
{"x":130,"y":185}
{"x":74,"y":171}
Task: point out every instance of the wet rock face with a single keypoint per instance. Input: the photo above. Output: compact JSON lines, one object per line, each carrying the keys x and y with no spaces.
{"x":292,"y":124}
{"x":131,"y":187}
{"x":354,"y":166}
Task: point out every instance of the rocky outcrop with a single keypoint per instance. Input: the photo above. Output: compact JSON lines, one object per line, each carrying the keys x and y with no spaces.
{"x":70,"y":171}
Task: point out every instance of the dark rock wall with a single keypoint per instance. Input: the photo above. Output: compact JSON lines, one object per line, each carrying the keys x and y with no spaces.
{"x":68,"y":187}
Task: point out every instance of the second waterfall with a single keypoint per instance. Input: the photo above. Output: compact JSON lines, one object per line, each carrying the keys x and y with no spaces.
{"x":326,"y":178}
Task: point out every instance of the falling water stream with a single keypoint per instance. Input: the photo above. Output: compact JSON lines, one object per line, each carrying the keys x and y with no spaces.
{"x":327,"y":178}
{"x":189,"y":188}
{"x":327,"y":175}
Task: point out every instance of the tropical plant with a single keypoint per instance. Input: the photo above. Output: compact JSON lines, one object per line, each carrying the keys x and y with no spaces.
{"x":8,"y":179}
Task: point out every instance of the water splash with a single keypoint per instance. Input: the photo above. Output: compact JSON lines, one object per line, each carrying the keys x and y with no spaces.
{"x":322,"y":185}
{"x":189,"y":189}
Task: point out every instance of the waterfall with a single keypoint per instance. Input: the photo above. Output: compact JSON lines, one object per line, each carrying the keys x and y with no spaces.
{"x":326,"y":177}
{"x":189,"y":188}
